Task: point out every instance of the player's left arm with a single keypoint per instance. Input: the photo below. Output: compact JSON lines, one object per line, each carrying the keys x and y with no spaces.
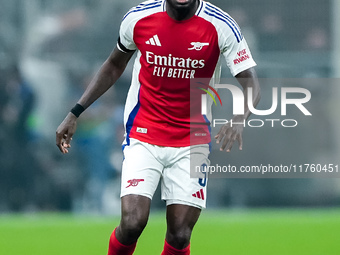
{"x":228,"y":134}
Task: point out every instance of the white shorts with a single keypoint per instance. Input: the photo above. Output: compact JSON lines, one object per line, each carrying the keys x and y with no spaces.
{"x":145,"y":164}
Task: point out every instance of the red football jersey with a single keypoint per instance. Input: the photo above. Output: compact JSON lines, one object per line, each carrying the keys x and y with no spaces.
{"x":170,"y":54}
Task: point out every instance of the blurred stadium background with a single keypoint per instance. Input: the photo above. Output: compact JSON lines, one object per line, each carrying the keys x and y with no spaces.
{"x":50,"y":49}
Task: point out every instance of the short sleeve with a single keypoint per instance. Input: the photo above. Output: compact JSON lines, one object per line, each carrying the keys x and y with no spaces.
{"x":126,"y":42}
{"x":237,"y":54}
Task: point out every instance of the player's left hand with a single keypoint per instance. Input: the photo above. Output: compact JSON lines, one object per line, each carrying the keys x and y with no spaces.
{"x":228,"y":134}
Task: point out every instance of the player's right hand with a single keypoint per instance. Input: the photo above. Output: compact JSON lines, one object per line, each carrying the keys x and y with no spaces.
{"x":228,"y":134}
{"x":65,"y":132}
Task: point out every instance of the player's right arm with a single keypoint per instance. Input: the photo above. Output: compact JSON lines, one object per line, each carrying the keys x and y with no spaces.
{"x":108,"y":74}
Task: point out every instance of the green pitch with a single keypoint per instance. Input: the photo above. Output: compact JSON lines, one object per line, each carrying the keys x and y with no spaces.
{"x":250,"y":232}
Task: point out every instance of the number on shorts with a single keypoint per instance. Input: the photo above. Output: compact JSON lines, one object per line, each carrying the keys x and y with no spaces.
{"x":203,"y":181}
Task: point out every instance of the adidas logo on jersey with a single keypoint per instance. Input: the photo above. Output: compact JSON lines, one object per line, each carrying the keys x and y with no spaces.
{"x":199,"y":194}
{"x":154,"y":41}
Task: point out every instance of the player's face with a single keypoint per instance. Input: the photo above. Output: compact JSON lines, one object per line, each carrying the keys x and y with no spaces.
{"x":181,"y":9}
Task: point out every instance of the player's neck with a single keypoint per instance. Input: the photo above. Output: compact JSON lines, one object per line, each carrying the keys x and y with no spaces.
{"x":181,"y":13}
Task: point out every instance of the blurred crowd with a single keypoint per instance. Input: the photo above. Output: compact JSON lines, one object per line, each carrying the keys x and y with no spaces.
{"x":16,"y":104}
{"x":49,"y":51}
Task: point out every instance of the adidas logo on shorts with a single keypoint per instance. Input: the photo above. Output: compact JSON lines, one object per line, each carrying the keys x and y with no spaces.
{"x":199,"y":194}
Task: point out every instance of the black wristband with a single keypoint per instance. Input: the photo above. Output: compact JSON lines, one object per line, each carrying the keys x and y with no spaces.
{"x":77,"y":110}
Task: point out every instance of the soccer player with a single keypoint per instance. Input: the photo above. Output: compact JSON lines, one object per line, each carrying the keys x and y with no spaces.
{"x":175,"y":41}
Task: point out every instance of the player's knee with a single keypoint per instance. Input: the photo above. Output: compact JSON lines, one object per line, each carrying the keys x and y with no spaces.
{"x":179,"y":238}
{"x":132,"y":225}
